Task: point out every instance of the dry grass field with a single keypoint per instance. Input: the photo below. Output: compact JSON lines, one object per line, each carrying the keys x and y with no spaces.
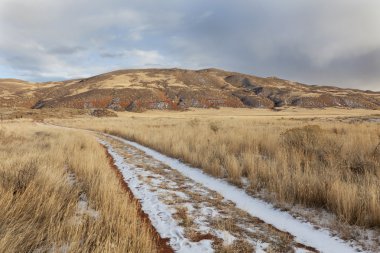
{"x":58,"y":193}
{"x":318,"y":158}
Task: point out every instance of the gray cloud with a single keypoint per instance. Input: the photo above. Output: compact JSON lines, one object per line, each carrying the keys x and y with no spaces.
{"x":66,"y":50}
{"x":319,"y":42}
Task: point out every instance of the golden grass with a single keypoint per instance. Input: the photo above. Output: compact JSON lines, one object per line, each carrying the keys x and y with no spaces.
{"x":248,"y":113}
{"x":59,"y":194}
{"x":7,"y":114}
{"x":315,"y":162}
{"x":133,"y":80}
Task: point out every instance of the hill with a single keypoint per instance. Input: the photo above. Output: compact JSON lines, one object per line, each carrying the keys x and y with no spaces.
{"x":177,"y":89}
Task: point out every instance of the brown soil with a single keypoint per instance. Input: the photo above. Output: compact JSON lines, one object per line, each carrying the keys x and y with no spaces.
{"x":299,"y":245}
{"x":197,"y":237}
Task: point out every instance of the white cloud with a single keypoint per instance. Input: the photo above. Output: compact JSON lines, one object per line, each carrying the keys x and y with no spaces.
{"x":144,"y":58}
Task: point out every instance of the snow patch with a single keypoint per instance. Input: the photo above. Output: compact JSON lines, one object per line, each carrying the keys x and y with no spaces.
{"x":84,"y":208}
{"x":261,"y":247}
{"x":159,"y":213}
{"x":227,"y":238}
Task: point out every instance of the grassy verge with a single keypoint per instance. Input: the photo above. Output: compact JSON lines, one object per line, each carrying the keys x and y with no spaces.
{"x":59,"y":194}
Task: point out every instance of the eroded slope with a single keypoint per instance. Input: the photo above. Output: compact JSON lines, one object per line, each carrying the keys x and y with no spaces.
{"x":137,"y":90}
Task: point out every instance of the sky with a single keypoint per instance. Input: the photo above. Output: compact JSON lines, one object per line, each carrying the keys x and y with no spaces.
{"x":316,"y":42}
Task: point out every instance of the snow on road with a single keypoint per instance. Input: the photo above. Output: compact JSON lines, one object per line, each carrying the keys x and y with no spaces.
{"x":159,"y":214}
{"x":303,"y":232}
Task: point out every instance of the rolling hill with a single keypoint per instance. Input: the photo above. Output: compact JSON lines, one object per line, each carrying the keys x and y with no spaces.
{"x":178,"y":89}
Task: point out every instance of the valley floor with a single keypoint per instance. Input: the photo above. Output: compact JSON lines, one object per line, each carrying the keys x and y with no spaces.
{"x":202,"y":181}
{"x":304,"y":162}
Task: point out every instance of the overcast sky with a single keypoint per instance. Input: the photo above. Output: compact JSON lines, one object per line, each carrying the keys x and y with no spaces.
{"x":334,"y":42}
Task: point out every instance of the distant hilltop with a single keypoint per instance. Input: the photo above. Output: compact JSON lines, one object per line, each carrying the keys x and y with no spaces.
{"x":178,"y":89}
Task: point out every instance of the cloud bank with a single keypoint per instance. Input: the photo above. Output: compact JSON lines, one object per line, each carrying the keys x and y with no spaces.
{"x":318,"y":42}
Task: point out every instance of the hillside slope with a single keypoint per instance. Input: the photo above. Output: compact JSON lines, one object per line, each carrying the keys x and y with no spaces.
{"x":136,"y":90}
